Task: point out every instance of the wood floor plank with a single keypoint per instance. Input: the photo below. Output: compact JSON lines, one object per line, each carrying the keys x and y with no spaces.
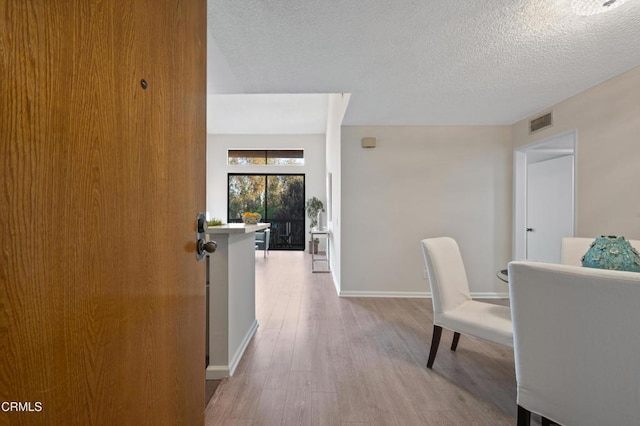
{"x":265,"y":345}
{"x":320,"y":359}
{"x":324,"y":409}
{"x":270,"y":408}
{"x":297,"y":410}
{"x":280,"y":366}
{"x":223,"y":401}
{"x":304,"y":345}
{"x":247,"y":399}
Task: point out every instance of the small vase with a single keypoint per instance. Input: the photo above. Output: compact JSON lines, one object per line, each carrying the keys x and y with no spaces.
{"x":321,"y":221}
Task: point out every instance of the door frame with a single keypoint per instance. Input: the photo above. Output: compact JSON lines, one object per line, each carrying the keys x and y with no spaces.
{"x":561,"y":144}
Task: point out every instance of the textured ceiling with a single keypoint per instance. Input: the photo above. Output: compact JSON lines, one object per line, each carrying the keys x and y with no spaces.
{"x":422,"y":61}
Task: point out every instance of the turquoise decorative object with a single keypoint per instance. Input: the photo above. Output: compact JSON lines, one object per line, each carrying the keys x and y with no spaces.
{"x":611,"y":252}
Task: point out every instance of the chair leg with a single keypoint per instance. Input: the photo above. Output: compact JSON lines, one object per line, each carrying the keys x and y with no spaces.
{"x":456,"y":339}
{"x":435,"y":342}
{"x":524,"y":416}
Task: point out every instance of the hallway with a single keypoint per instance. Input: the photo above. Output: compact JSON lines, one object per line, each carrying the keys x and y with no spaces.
{"x":322,"y":360}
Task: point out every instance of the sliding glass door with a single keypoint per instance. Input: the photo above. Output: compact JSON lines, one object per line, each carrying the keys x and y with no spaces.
{"x":280,"y":201}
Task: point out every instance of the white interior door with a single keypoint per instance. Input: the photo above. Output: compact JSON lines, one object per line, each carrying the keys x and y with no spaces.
{"x":549,"y":207}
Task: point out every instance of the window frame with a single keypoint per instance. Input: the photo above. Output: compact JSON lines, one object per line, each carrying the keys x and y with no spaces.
{"x":266,"y":155}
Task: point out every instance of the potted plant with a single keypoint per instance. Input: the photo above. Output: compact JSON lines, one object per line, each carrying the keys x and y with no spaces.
{"x":215,"y":222}
{"x":313,"y":207}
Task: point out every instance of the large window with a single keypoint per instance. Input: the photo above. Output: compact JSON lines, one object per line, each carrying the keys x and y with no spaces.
{"x":272,"y":157}
{"x":280,"y":201}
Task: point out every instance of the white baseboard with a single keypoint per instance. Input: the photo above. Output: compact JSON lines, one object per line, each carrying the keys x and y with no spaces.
{"x":217,"y":372}
{"x":245,"y":341}
{"x":336,"y":284}
{"x":417,"y":294}
{"x":403,"y":294}
{"x":489,"y":295}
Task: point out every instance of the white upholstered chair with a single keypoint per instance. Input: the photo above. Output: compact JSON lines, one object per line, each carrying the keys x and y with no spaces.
{"x":453,"y":307}
{"x":576,"y":343}
{"x":573,"y":248}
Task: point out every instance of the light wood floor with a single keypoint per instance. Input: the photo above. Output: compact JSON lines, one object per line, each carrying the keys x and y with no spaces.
{"x":322,"y":360}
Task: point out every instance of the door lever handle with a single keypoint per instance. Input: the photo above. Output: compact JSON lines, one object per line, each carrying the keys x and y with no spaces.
{"x":529,"y":229}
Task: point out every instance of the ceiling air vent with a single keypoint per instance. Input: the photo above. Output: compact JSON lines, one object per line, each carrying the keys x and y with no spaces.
{"x":541,"y":122}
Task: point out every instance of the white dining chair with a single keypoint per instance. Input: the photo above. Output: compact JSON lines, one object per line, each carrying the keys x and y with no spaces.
{"x":453,"y":307}
{"x":576,"y":344}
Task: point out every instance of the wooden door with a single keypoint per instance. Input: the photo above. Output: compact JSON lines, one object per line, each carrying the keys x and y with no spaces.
{"x":101,"y":296}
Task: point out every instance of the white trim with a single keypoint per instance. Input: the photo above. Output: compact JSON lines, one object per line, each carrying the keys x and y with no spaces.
{"x":238,"y":355}
{"x":490,"y":295}
{"x":335,"y":283}
{"x":404,"y":294}
{"x":519,"y":251}
{"x":216,"y":372}
{"x":418,"y":294}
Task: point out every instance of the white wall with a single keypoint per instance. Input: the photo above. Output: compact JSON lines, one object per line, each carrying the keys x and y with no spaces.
{"x":421,"y":182}
{"x":607,"y":119}
{"x":217,"y":167}
{"x":336,"y":109}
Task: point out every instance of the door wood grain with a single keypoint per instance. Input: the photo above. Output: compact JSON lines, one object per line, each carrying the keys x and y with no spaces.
{"x":101,"y":297}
